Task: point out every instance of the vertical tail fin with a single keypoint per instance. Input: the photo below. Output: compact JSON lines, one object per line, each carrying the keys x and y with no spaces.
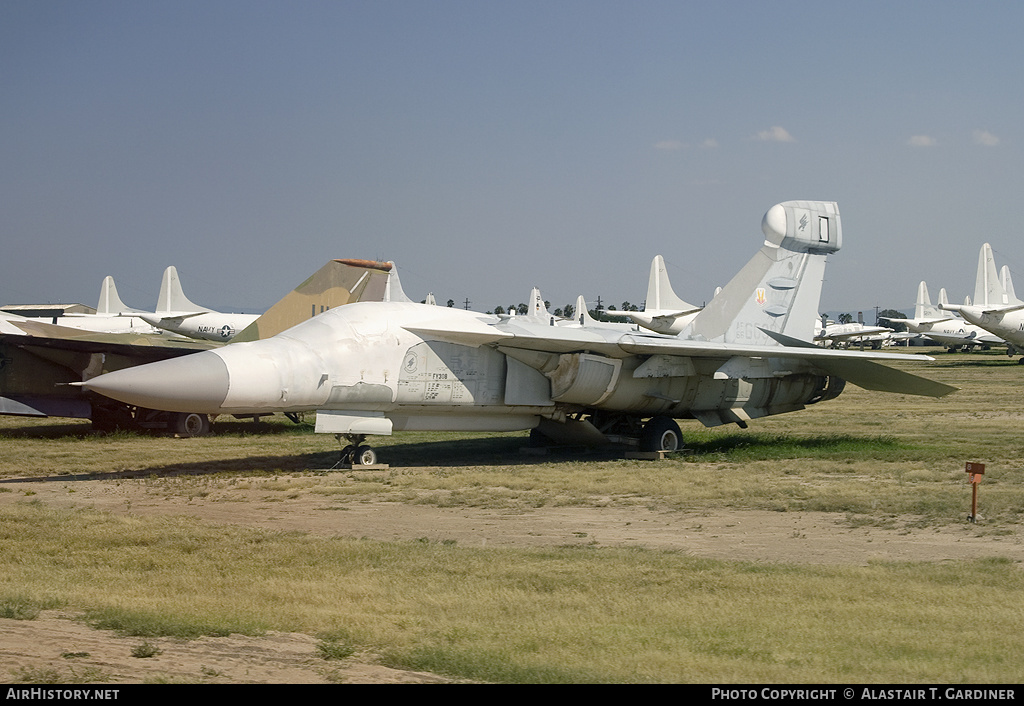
{"x":779,"y":289}
{"x":393,"y":291}
{"x":110,"y":302}
{"x":664,"y":311}
{"x":172,"y":299}
{"x":924,"y":309}
{"x":988,"y":289}
{"x":336,"y":283}
{"x":924,"y":302}
{"x":1007,"y":282}
{"x":660,"y":296}
{"x":537,"y":307}
{"x":986,"y":283}
{"x":582,"y":313}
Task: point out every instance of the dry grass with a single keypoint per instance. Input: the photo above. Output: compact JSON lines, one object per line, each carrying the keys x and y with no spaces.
{"x":561,"y":614}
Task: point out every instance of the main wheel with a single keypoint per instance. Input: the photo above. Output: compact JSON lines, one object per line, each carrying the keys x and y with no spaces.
{"x":661,"y":434}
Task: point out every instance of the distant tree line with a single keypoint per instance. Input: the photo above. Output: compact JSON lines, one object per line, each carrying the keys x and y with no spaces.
{"x":883,"y":314}
{"x":567,"y":311}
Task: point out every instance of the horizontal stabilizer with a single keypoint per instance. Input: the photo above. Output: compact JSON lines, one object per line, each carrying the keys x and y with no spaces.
{"x":869,"y":374}
{"x":168,"y":322}
{"x":1004,"y":309}
{"x":875,"y":376}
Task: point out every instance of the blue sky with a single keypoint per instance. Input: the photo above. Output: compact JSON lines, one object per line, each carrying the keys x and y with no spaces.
{"x":488,"y":147}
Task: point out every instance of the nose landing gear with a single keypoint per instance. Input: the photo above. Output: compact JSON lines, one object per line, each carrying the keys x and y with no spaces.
{"x":357,"y":454}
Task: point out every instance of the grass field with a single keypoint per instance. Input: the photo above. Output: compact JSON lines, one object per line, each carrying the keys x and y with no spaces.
{"x":560,"y":614}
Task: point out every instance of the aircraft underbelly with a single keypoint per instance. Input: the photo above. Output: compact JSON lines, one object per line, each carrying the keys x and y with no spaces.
{"x":502,"y":419}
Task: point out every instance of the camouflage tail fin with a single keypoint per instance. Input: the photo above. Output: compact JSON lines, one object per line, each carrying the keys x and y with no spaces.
{"x":336,"y":283}
{"x":779,"y":289}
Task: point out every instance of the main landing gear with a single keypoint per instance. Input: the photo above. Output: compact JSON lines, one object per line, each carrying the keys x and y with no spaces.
{"x":111,"y":417}
{"x":356,"y":453}
{"x":661,"y":434}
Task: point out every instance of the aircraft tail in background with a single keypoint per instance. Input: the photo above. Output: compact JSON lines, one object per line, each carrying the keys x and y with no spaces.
{"x":989,"y":290}
{"x":172,"y":299}
{"x":110,"y":303}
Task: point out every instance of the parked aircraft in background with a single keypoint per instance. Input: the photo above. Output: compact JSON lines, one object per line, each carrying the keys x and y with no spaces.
{"x":39,"y":361}
{"x":378,"y":367}
{"x":995,"y":308}
{"x":943,"y":327}
{"x":664,"y":311}
{"x":112,"y":315}
{"x":175,"y":313}
{"x":830,"y":334}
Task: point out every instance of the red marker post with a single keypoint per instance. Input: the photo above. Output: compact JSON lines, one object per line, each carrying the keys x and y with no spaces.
{"x":975,"y":471}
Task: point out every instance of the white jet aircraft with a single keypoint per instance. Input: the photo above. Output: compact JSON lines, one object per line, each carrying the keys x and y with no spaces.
{"x":996,"y":308}
{"x":378,"y":367}
{"x":951,"y":331}
{"x":174,"y":312}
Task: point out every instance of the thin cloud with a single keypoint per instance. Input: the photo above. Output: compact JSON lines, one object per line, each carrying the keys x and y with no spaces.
{"x":986,"y":138}
{"x":776,"y":133}
{"x":709,"y":143}
{"x":922,"y":141}
{"x":669,"y":145}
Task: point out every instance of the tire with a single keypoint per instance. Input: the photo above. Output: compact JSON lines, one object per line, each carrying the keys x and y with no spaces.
{"x":661,"y":434}
{"x":348,"y":454}
{"x":191,"y":424}
{"x":364,"y":456}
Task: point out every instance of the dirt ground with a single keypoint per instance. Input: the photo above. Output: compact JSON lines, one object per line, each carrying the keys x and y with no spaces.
{"x":54,"y":646}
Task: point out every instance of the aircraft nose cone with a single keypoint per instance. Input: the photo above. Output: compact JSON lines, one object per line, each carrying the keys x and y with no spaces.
{"x":192,"y":383}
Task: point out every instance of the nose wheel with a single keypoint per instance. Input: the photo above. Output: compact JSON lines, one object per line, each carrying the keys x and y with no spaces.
{"x":357,"y":454}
